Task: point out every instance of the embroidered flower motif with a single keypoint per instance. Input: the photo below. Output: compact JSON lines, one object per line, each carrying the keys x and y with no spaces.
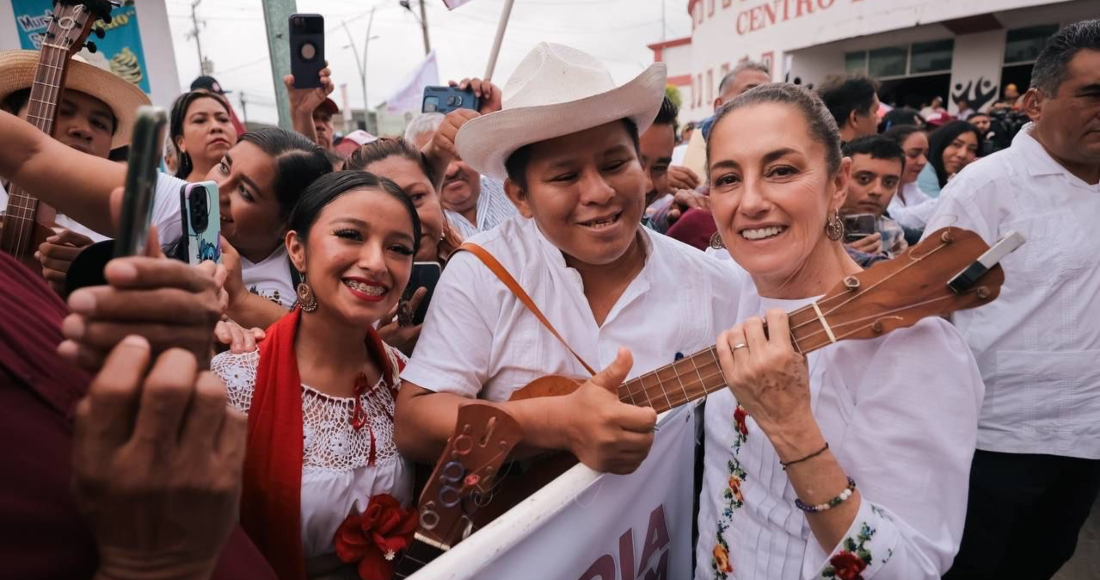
{"x":854,"y":557}
{"x":338,"y":444}
{"x":374,"y":537}
{"x":720,"y":556}
{"x":732,"y":495}
{"x":848,"y":566}
{"x":741,"y":429}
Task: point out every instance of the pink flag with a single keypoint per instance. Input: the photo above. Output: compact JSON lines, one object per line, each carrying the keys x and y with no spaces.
{"x":452,"y":4}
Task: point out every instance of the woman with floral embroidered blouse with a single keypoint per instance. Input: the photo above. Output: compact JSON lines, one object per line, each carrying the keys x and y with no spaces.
{"x":324,"y":485}
{"x":853,"y":461}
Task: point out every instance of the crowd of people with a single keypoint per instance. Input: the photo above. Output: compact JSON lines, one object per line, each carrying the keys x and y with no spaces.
{"x":263,"y":417}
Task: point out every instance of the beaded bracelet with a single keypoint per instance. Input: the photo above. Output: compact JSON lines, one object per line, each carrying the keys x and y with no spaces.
{"x":843,"y":497}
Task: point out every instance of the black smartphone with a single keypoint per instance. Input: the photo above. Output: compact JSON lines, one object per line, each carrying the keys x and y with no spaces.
{"x":424,"y":275}
{"x":446,"y":99}
{"x":200,"y":220}
{"x":141,"y":178}
{"x":858,"y":226}
{"x":307,"y":49}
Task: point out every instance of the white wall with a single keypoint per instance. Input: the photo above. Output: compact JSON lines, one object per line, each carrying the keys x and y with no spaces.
{"x":156,"y":40}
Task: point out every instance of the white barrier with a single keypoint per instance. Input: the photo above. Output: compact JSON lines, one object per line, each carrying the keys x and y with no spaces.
{"x":590,"y":526}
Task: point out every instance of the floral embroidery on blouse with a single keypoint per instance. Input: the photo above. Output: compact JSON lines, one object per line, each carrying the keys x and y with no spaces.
{"x":732,"y":497}
{"x":853,"y":558}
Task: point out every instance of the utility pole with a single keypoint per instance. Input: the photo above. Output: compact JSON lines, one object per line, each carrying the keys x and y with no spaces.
{"x":244,"y":108}
{"x":424,"y":29}
{"x":361,"y":63}
{"x":194,"y":33}
{"x":276,"y":19}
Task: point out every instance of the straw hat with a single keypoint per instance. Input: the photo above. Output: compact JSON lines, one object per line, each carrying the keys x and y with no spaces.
{"x":557,"y":91}
{"x":123,"y":97}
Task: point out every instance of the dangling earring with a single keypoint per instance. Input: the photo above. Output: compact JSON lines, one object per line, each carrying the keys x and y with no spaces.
{"x":834,"y":227}
{"x":306,"y":299}
{"x":716,"y":241}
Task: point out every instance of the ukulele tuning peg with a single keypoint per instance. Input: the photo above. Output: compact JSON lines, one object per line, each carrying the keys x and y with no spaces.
{"x":100,"y":33}
{"x":91,"y":47}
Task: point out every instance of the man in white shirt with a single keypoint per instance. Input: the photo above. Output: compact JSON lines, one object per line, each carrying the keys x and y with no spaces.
{"x":567,"y":142}
{"x":1037,"y":469}
{"x":472,"y":202}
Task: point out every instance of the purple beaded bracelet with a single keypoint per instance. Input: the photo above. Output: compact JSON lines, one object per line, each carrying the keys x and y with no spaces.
{"x":843,"y":497}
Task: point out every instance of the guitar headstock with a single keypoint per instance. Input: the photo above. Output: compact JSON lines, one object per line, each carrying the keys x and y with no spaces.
{"x":463,"y":478}
{"x":898,"y":293}
{"x":72,"y":23}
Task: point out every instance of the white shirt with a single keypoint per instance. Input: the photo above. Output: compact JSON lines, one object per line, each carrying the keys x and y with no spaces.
{"x":914,"y":210}
{"x":899,"y":413}
{"x":271,"y":278}
{"x":336,"y":479}
{"x":480,"y":341}
{"x":493,"y":207}
{"x":1038,"y":343}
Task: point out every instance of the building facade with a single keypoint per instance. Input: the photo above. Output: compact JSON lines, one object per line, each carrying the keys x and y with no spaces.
{"x":917,"y":49}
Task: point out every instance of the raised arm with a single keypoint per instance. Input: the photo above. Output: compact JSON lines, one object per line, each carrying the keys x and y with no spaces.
{"x":76,"y":184}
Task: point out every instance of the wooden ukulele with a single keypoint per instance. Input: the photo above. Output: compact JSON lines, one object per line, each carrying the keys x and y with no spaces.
{"x":953,"y":269}
{"x":462,"y":483}
{"x":27,"y":222}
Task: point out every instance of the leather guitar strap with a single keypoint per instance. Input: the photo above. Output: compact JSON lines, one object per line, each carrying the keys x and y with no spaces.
{"x":496,"y":268}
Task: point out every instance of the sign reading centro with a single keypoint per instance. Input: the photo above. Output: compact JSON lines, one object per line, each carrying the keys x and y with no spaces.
{"x":761,"y":15}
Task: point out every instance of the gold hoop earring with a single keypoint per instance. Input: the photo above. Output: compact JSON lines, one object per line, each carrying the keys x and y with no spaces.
{"x":834,"y":227}
{"x":306,"y":299}
{"x":717,"y":242}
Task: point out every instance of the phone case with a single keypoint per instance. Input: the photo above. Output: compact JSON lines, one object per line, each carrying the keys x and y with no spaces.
{"x":141,"y":176}
{"x":424,"y":275}
{"x":307,"y":49}
{"x":446,"y":99}
{"x":201,"y":222}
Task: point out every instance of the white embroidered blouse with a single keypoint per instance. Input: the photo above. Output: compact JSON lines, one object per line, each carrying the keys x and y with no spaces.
{"x":900,"y":415}
{"x":336,"y":479}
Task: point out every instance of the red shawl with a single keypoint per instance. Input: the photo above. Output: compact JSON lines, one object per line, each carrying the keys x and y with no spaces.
{"x":271,"y":507}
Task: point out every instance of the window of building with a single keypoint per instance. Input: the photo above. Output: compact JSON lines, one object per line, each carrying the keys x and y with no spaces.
{"x":855,"y":62}
{"x":901,"y":61}
{"x":931,"y":57}
{"x":1023,"y":45}
{"x":888,"y":62}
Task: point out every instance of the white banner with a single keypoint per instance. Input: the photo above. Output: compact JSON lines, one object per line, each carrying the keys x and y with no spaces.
{"x":410,"y":97}
{"x":588,"y":526}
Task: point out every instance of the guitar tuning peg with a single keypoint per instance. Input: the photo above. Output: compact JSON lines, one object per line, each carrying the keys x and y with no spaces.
{"x":100,"y":33}
{"x":91,"y":47}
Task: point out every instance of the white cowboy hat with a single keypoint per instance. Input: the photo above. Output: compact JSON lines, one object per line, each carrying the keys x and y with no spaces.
{"x":557,"y":91}
{"x":123,"y":97}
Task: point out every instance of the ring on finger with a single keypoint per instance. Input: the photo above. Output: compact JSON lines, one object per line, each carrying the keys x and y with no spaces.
{"x":738,"y":346}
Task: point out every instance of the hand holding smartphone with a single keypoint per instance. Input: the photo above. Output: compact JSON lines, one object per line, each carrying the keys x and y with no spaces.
{"x":424,"y":275}
{"x":858,"y":226}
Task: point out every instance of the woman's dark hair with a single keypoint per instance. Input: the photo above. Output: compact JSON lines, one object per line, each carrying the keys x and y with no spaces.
{"x":900,"y":133}
{"x":822,"y":125}
{"x":299,"y":162}
{"x":184,"y":166}
{"x":517,"y":162}
{"x":899,"y":117}
{"x":327,"y":188}
{"x":941,"y":138}
{"x":385,"y":148}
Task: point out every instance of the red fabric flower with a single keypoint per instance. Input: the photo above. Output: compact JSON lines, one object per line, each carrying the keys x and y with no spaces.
{"x":848,"y":566}
{"x":374,"y":537}
{"x":739,"y":416}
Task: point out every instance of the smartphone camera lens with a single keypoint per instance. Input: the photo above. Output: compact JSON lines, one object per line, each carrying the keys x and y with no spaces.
{"x":298,"y":21}
{"x":431,"y":104}
{"x":308,"y":51}
{"x":199,"y":201}
{"x":454,"y":101}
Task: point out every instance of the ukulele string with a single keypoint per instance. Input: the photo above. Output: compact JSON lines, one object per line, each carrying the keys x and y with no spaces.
{"x":875,"y":317}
